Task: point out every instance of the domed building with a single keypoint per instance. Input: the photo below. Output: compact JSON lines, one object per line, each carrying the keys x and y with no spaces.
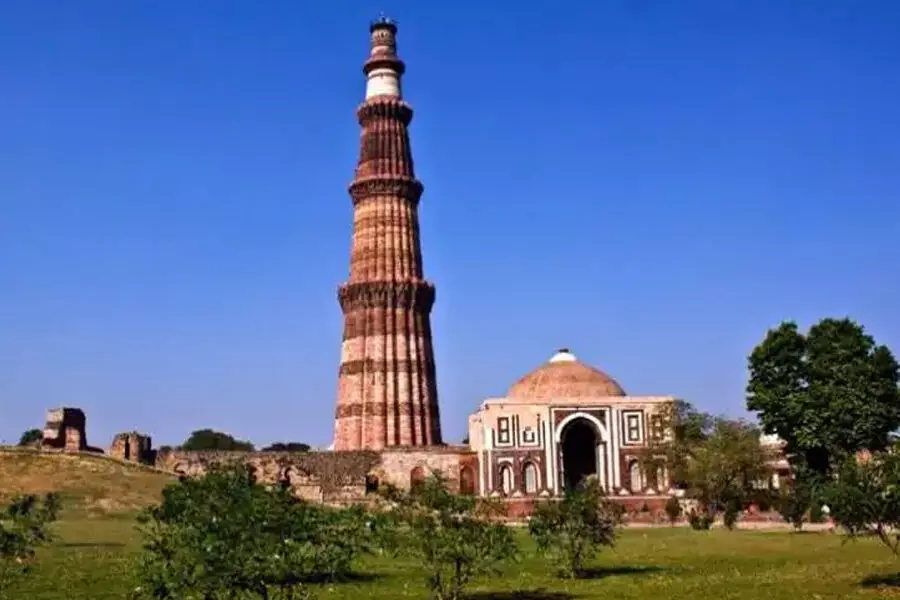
{"x":560,"y":423}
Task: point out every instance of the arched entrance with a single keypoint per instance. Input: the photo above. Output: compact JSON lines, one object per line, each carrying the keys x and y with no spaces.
{"x":579,"y":442}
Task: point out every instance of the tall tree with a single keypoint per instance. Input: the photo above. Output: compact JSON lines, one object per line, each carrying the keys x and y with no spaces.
{"x":828,"y":394}
{"x":208,"y":439}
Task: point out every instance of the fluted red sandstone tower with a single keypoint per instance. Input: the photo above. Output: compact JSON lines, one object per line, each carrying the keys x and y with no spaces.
{"x":387,"y":393}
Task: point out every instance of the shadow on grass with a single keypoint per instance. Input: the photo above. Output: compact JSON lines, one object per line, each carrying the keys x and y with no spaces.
{"x":93,"y":545}
{"x":882,"y":581}
{"x":347,"y":578}
{"x":539,"y":594}
{"x":613,"y":570}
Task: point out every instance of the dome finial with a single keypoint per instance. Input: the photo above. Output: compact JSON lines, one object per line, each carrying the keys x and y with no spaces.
{"x":563,"y":355}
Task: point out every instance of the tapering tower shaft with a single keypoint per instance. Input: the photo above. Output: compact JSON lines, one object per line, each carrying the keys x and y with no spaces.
{"x":387,"y":392}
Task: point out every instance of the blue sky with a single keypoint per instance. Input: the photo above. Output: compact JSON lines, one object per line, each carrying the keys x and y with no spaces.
{"x":650,"y":183}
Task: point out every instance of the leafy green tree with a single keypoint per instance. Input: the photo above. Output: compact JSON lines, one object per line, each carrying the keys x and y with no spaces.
{"x":30,"y":437}
{"x":208,"y":439}
{"x":287,"y":447}
{"x":794,"y":501}
{"x":224,"y":536}
{"x":572,"y":530}
{"x":717,"y":461}
{"x":864,"y":498}
{"x":24,"y":525}
{"x":455,"y":537}
{"x":827,"y":394}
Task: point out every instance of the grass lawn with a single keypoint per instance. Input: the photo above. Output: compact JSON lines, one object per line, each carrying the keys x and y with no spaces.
{"x":90,"y":561}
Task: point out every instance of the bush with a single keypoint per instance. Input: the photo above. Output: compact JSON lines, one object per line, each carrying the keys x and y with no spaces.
{"x":731,"y":514}
{"x":699,"y":522}
{"x":793,"y":503}
{"x":574,"y":529}
{"x":31,"y":437}
{"x":225,"y":536}
{"x":23,"y":527}
{"x":673,"y":509}
{"x":453,"y":536}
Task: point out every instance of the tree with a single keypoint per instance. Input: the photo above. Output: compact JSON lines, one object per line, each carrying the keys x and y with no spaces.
{"x":30,"y":437}
{"x":572,"y":531}
{"x":224,"y":536}
{"x":864,"y":497}
{"x":23,"y":527}
{"x":717,"y":461}
{"x":455,"y":537}
{"x":828,"y":394}
{"x":208,"y":439}
{"x":794,"y":502}
{"x":287,"y":447}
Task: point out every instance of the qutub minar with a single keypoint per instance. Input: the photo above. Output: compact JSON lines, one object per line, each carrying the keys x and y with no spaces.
{"x":387,"y":393}
{"x":558,"y":424}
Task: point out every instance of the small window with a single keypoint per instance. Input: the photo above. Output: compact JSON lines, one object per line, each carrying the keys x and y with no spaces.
{"x":503,"y":430}
{"x":529,"y":473}
{"x":528,"y":436}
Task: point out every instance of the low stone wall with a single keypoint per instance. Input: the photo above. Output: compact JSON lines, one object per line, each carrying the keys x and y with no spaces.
{"x":328,"y":476}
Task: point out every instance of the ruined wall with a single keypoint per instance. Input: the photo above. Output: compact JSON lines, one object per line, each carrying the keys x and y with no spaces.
{"x":330,"y":476}
{"x":133,"y":447}
{"x":65,"y":430}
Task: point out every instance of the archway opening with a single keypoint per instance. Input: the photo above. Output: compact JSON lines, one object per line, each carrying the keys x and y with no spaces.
{"x":579,"y":449}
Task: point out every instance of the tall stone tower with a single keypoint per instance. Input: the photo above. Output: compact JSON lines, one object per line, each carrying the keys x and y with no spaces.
{"x":387,"y":392}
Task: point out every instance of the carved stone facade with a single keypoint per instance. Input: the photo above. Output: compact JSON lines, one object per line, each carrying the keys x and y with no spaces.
{"x":563,"y":422}
{"x":387,"y":391}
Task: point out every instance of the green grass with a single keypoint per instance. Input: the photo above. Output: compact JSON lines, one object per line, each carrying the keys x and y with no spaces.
{"x":90,"y":560}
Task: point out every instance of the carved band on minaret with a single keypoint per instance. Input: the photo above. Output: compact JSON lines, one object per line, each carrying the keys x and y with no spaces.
{"x":418,"y":295}
{"x":371,"y":187}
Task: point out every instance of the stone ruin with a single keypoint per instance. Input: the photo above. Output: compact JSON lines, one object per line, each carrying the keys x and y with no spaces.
{"x":133,"y":447}
{"x":66,"y":430}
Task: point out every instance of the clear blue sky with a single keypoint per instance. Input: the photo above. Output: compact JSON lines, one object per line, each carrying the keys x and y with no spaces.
{"x":651,"y":183}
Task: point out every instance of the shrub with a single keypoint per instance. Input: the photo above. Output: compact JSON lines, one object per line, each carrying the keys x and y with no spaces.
{"x":23,"y":527}
{"x":731,"y":513}
{"x":455,"y":537}
{"x":673,"y":509}
{"x":574,"y":529}
{"x":699,"y":522}
{"x":225,"y":536}
{"x":31,"y":437}
{"x":793,"y":503}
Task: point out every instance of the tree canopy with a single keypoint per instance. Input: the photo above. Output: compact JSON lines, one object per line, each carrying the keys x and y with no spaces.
{"x":718,"y":461}
{"x":827,"y":394}
{"x":30,"y":437}
{"x":208,"y":439}
{"x":287,"y":447}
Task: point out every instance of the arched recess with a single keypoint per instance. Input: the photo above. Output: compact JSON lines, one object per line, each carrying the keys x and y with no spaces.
{"x":635,"y":477}
{"x":530,"y":478}
{"x":372,"y":483}
{"x":466,"y":480}
{"x":580,"y":441}
{"x":507,"y":481}
{"x":417,"y":478}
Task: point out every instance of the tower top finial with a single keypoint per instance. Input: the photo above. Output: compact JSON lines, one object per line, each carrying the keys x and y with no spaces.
{"x":383,"y":22}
